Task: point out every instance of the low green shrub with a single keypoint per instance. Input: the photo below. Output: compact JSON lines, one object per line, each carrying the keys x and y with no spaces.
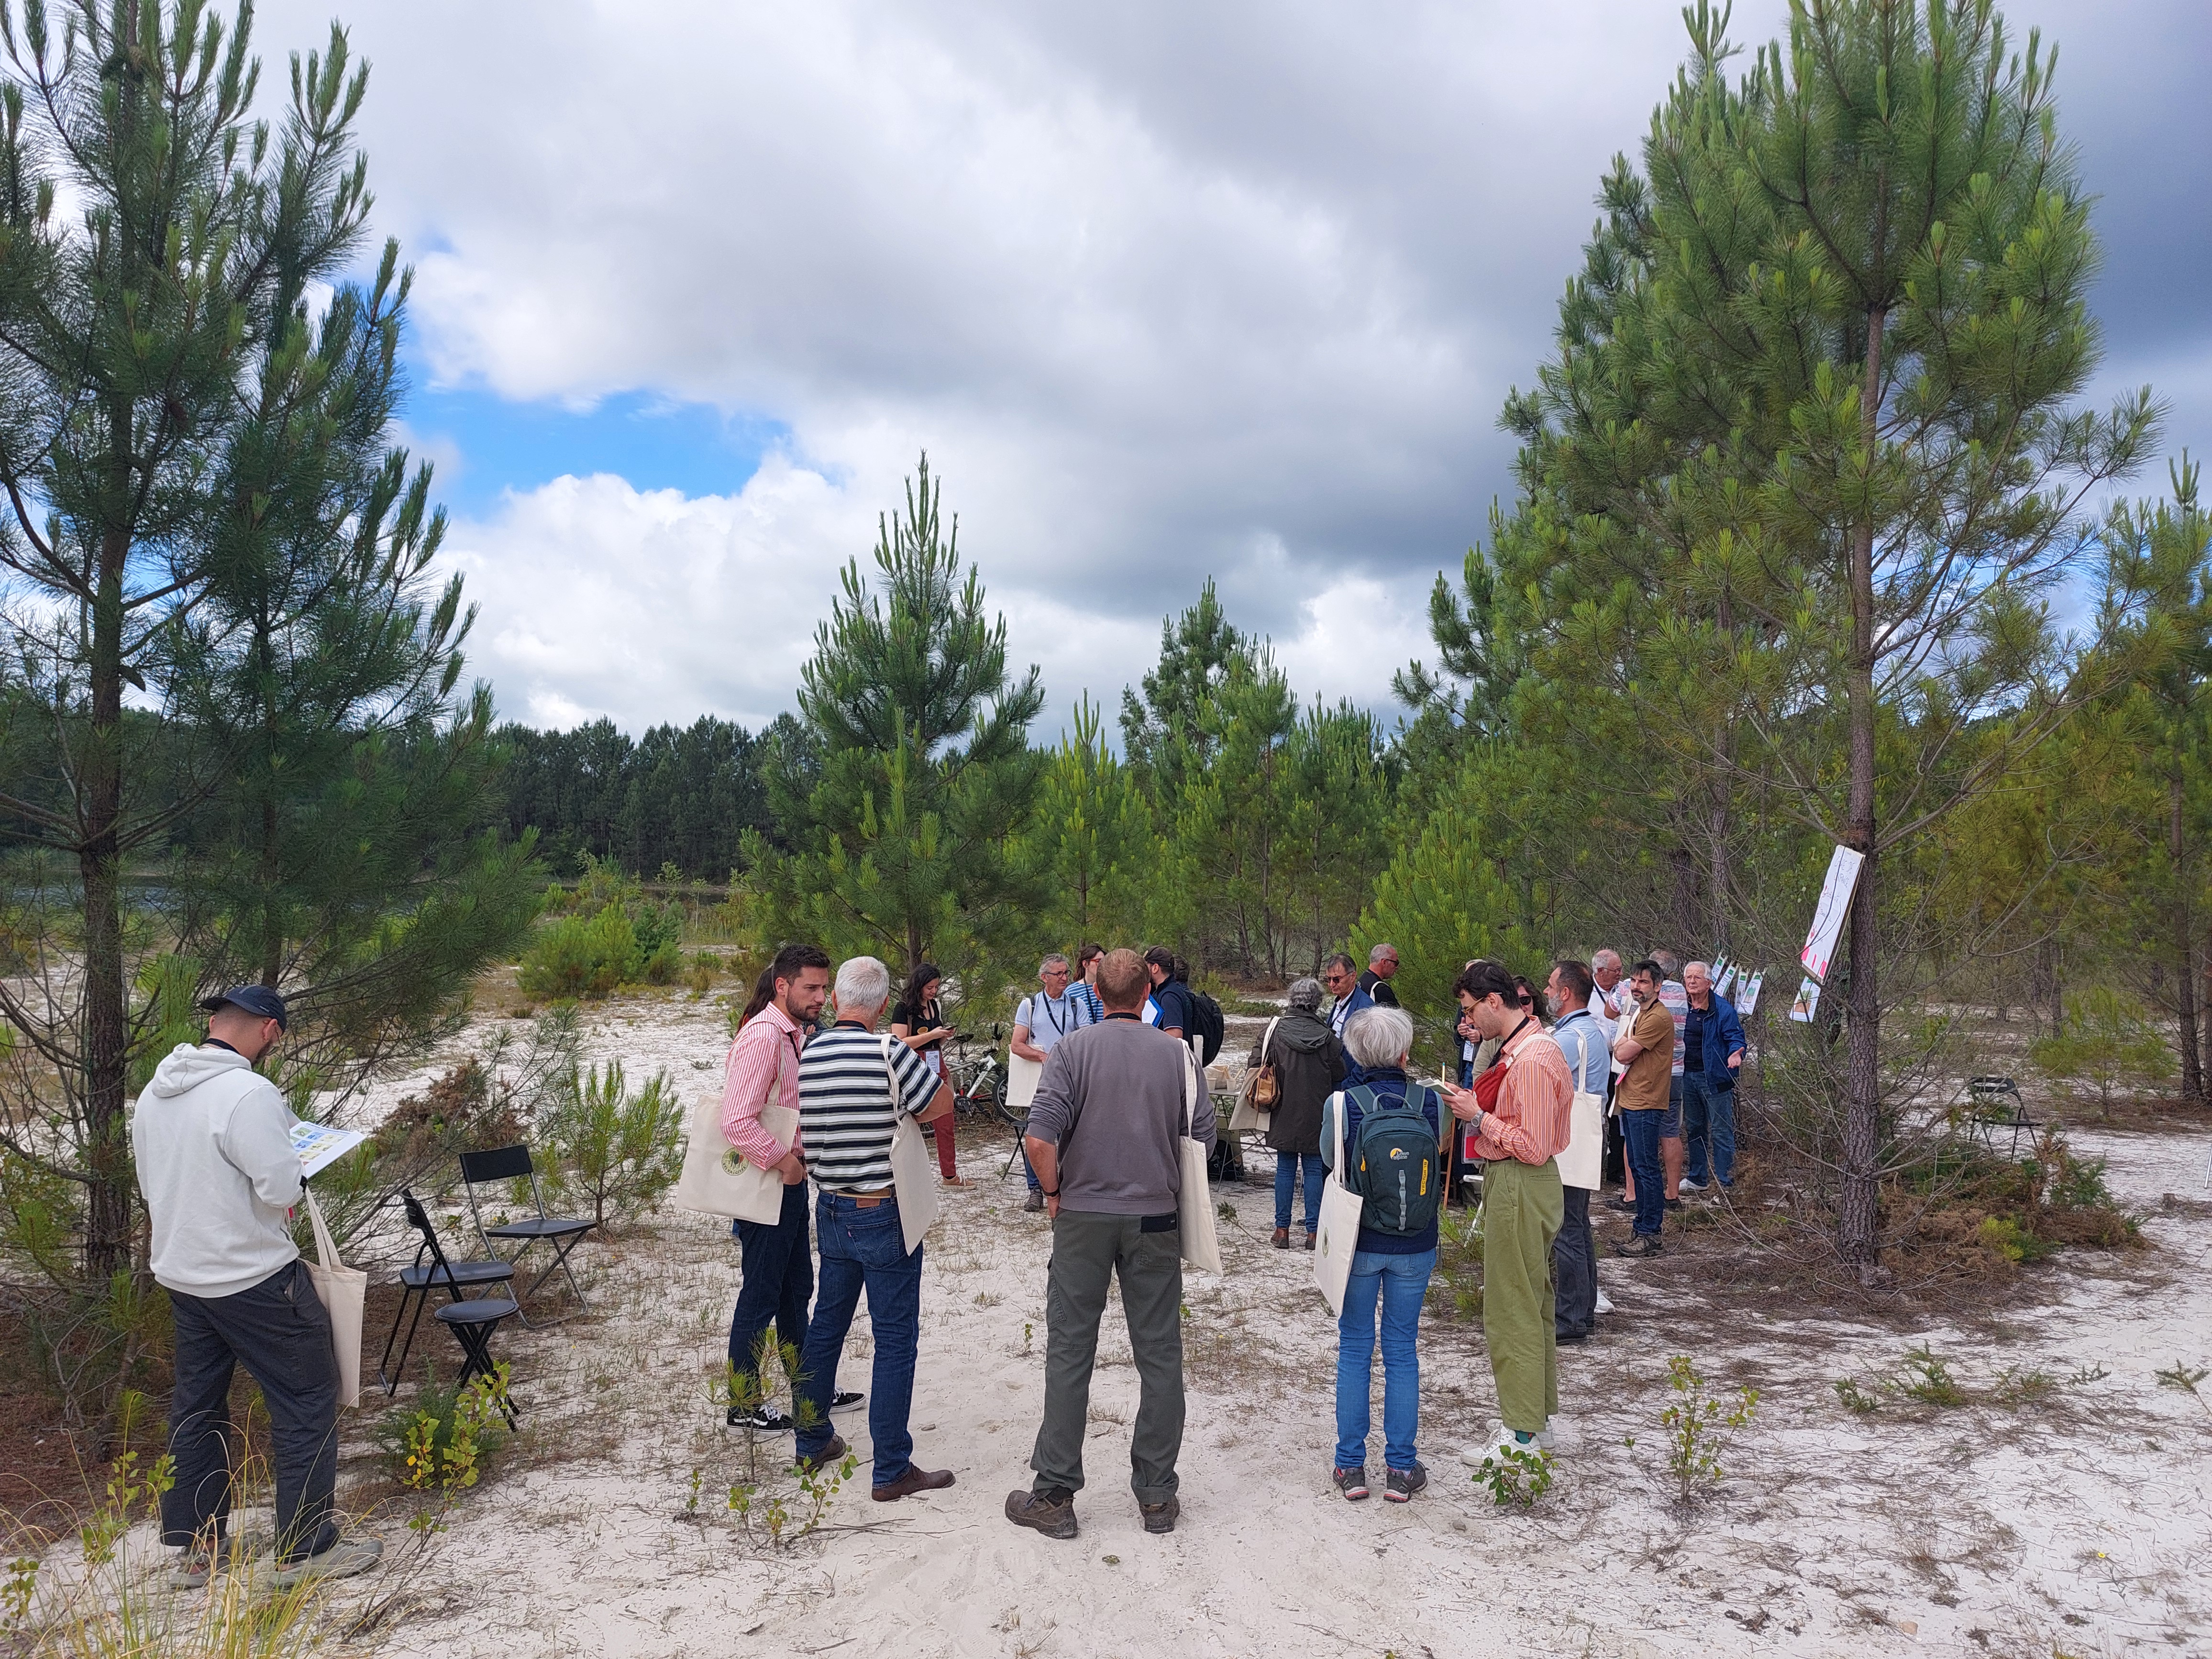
{"x":581,"y":955}
{"x":619,"y":1151}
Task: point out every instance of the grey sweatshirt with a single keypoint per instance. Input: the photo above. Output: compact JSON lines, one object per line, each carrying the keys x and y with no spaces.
{"x":1121,"y":1085}
{"x":213,"y":1139}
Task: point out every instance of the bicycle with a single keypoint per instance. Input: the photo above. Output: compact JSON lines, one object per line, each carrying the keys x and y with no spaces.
{"x":980,"y":1084}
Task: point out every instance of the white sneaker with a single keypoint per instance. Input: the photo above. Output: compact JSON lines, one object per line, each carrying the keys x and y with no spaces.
{"x":1475,"y":1456}
{"x":1690,"y":1186}
{"x":1604,"y":1304}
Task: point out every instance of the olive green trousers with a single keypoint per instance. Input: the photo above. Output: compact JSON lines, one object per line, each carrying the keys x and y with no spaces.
{"x":1523,"y":1205}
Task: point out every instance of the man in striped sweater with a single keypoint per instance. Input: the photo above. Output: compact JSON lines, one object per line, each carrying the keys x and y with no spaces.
{"x":854,"y":1087}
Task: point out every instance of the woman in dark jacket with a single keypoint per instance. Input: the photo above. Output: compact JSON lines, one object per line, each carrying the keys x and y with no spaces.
{"x":1309,"y":1062}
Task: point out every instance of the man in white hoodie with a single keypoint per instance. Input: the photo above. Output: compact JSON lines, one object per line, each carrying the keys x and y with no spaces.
{"x":213,"y":1143}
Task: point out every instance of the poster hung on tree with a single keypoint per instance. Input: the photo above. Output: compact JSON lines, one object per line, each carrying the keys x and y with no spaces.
{"x":1827,"y":928}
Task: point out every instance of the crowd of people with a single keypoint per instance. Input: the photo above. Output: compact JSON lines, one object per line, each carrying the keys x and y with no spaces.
{"x":1653,"y":1049}
{"x":1644,"y":1058}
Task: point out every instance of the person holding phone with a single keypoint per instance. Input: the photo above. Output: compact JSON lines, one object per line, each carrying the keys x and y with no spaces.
{"x":919,"y":1023}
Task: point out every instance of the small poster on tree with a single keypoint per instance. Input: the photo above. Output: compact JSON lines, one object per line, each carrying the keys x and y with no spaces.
{"x":1809,"y":999}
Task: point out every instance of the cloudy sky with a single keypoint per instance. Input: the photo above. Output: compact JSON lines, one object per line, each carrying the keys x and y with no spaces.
{"x":1164,"y":290}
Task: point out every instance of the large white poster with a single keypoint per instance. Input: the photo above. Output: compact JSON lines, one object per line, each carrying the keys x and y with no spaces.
{"x":1827,"y":928}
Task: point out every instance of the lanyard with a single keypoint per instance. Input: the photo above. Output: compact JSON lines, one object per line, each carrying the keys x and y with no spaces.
{"x":1058,"y":1029}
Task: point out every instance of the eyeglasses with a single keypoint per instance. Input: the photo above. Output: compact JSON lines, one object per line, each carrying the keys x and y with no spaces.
{"x":1528,"y":1002}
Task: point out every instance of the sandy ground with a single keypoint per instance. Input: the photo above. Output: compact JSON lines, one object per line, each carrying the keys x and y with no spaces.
{"x":2078,"y":1523}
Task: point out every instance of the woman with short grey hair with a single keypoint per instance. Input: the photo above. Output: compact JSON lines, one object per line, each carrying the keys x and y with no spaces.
{"x":1307,"y":1061}
{"x":1389,"y":1269}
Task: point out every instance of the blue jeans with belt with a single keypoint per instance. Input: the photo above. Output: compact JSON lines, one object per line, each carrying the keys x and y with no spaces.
{"x":864,"y":1249}
{"x":1397,"y":1283}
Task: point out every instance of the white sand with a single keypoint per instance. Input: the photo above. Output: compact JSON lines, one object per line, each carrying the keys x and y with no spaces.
{"x":2081,"y":1526}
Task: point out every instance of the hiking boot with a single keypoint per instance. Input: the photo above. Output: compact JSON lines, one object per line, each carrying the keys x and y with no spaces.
{"x":1035,"y":1201}
{"x":914,"y":1481}
{"x":1639,"y":1244}
{"x":1282,"y":1238}
{"x":1402,"y":1484}
{"x":1160,"y":1518}
{"x":194,"y":1567}
{"x":813,"y":1462}
{"x":765,"y":1418}
{"x":341,"y":1560}
{"x":1051,"y":1512}
{"x":1352,"y":1483}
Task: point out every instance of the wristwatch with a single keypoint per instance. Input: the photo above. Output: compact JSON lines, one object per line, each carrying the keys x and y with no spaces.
{"x":1049,"y":1192}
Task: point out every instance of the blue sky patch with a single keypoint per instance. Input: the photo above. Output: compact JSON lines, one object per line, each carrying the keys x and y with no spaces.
{"x":644,"y":437}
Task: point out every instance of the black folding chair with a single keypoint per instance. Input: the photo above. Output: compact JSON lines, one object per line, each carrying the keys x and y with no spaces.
{"x":416,"y":1283}
{"x":562,"y":1233}
{"x":1994,"y":1107}
{"x":471,"y":1323}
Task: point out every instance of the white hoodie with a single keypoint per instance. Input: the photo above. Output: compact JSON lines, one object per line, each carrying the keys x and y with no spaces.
{"x":213,"y":1139}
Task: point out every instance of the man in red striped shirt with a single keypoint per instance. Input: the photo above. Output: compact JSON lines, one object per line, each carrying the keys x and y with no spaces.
{"x":1519,"y":1135}
{"x":777,"y":1259}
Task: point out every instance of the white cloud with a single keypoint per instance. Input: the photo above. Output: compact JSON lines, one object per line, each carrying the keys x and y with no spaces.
{"x":1164,"y":289}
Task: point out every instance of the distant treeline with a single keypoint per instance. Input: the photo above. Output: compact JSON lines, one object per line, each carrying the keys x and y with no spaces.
{"x":679,"y":795}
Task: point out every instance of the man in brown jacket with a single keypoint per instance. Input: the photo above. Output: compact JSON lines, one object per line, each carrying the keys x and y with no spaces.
{"x":1647,"y":1045}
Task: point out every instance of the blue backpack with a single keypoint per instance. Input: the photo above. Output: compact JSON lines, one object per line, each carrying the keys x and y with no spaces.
{"x":1394,"y":1165}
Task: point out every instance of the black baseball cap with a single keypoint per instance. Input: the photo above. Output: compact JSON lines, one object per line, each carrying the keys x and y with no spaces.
{"x":255,"y":999}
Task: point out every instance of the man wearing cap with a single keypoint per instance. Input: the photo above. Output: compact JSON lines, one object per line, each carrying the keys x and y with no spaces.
{"x":213,"y":1142}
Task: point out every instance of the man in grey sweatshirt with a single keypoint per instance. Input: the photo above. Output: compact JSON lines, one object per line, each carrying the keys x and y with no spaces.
{"x":1104,"y":1137}
{"x":212,"y":1139}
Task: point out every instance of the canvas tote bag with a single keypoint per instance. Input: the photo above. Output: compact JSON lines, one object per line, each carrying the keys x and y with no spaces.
{"x":1201,"y":1245}
{"x":719,"y":1180}
{"x":1582,"y":1158}
{"x":1249,"y":1113}
{"x":913,"y":1178}
{"x":1022,"y":1079}
{"x":344,"y":1293}
{"x":1339,"y":1237}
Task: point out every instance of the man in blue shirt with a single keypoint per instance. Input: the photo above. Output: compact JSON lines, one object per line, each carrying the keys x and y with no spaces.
{"x":1588,"y":1048}
{"x":1043,"y":1018}
{"x":1339,"y":975}
{"x":1170,"y":996}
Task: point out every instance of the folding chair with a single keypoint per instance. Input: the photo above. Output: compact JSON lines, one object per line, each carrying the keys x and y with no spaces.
{"x":562,"y":1233}
{"x":1995,"y":1105}
{"x":415,"y":1287}
{"x":471,"y":1323}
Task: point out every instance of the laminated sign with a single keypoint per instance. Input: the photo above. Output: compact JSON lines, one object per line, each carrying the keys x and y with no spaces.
{"x":1827,"y":928}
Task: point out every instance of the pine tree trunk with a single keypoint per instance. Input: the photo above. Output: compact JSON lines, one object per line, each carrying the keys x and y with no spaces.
{"x":106,"y":1034}
{"x":2192,"y":1067}
{"x":1859,"y":1220}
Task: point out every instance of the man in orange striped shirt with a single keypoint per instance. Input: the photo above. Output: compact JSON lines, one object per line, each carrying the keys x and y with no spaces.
{"x":1519,"y":1112}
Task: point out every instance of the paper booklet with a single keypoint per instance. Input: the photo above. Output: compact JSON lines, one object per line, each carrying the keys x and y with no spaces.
{"x":320,"y":1145}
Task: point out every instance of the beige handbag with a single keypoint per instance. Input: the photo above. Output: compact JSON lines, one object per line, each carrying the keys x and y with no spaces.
{"x":1201,"y":1245}
{"x":912,"y":1179}
{"x":719,"y":1180}
{"x":344,"y":1293}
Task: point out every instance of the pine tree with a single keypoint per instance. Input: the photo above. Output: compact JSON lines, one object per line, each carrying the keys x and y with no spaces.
{"x":915,"y":769}
{"x":187,"y":453}
{"x":1090,"y":841}
{"x":1163,"y":735}
{"x":1805,"y":473}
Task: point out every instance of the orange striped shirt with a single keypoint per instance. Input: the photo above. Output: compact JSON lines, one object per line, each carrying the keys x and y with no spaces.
{"x":1535,"y":1104}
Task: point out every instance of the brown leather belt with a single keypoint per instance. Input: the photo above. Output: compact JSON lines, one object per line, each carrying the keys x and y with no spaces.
{"x":868,"y":1200}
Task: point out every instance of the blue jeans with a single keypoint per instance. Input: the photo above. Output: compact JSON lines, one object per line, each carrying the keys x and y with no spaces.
{"x":1289,"y":1177}
{"x":1398,"y":1282}
{"x":1028,"y":1174}
{"x":1709,"y":1124}
{"x":777,"y":1282}
{"x":1639,"y":1132}
{"x":864,"y":1249}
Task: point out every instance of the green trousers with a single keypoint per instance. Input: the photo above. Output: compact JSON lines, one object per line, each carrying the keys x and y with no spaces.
{"x":1088,"y":1251}
{"x":1522,"y":1208}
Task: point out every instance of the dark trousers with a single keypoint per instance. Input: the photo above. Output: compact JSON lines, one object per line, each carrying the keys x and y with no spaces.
{"x":1708,"y":1129}
{"x":1641,"y":1131}
{"x":1088,"y":1251}
{"x":864,"y":1249}
{"x":1574,"y":1269}
{"x":280,"y":1332}
{"x":777,"y":1281}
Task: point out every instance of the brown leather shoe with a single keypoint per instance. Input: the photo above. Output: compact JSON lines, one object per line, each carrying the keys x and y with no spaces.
{"x":830,"y":1454}
{"x":1282,"y":1239}
{"x":1160,"y":1518}
{"x":914,"y":1481}
{"x":1052,"y":1513}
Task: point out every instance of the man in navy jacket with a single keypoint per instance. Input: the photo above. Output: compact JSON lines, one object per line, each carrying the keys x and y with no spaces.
{"x":1712,"y":1052}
